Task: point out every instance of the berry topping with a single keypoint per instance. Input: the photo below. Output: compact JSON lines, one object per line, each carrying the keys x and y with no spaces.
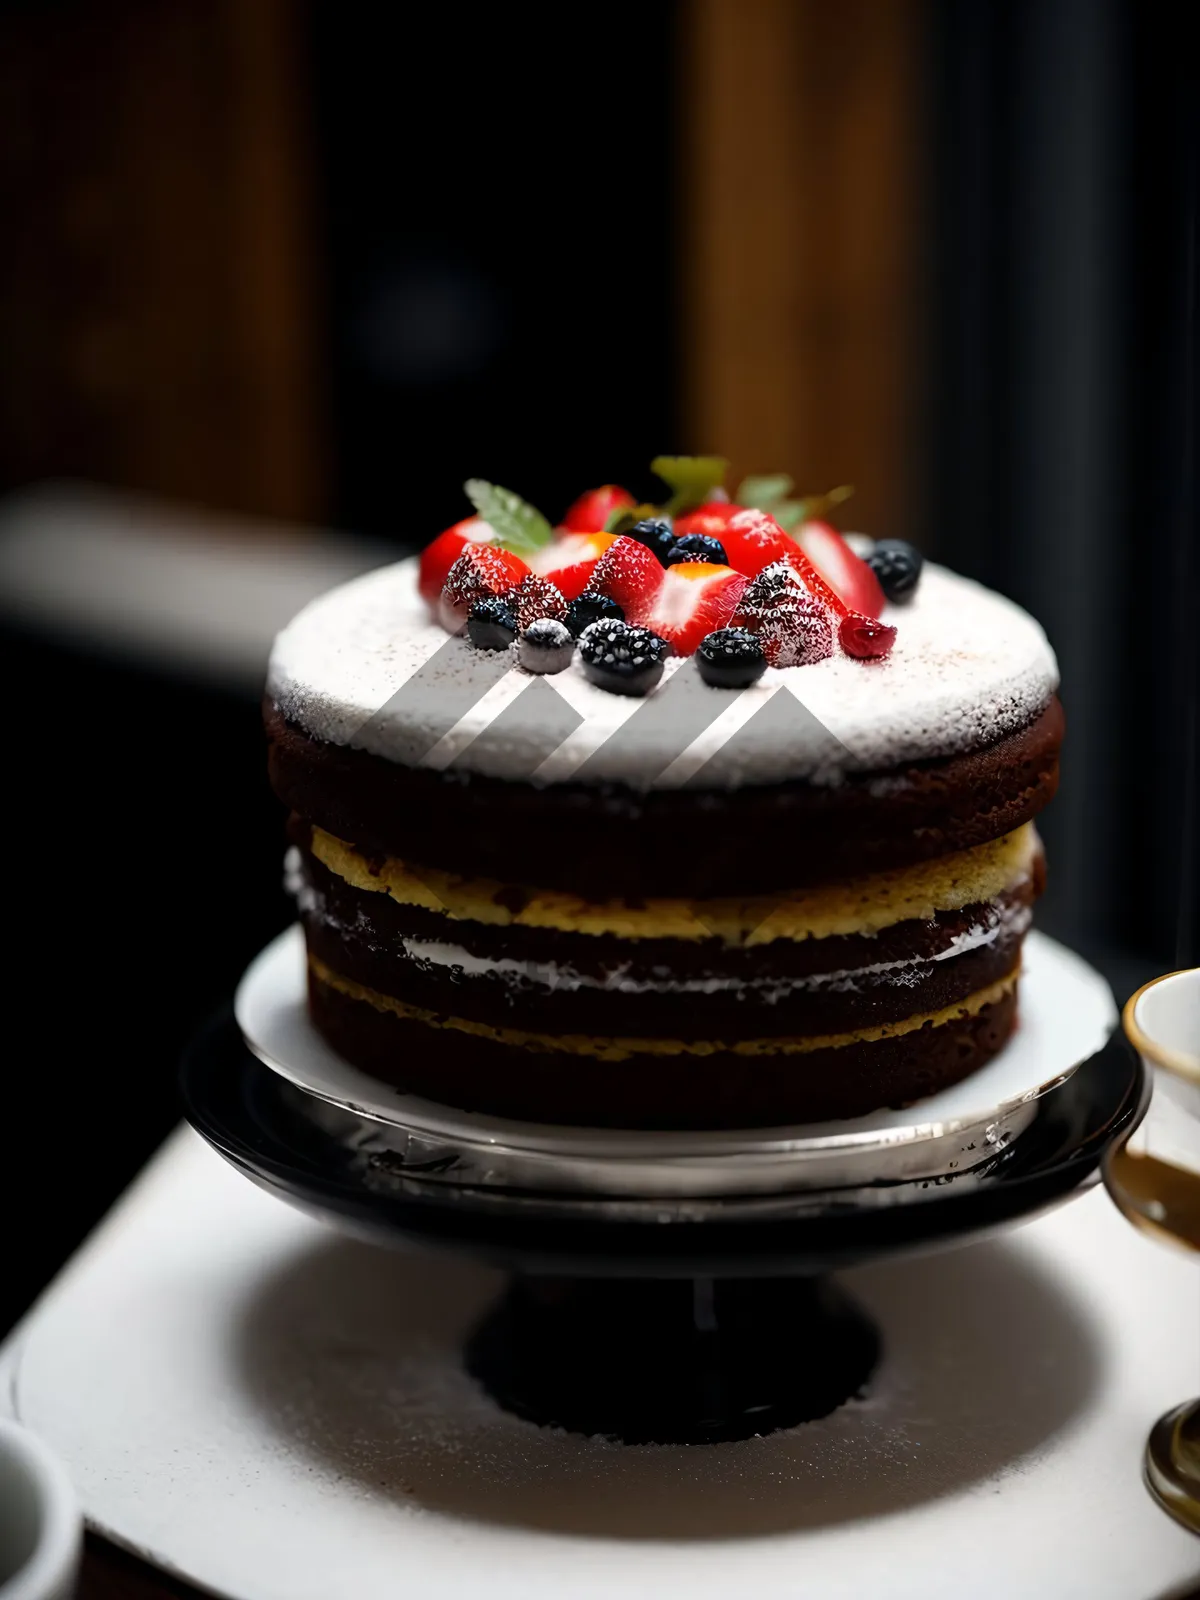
{"x":711,"y":519}
{"x":731,"y":658}
{"x":694,"y":598}
{"x":480,"y":571}
{"x":437,"y":558}
{"x":546,"y":646}
{"x":850,"y":576}
{"x":536,"y":597}
{"x":865,"y":637}
{"x":897,"y":564}
{"x":491,"y":624}
{"x":621,"y":658}
{"x":656,"y":534}
{"x":571,"y":560}
{"x":629,"y":573}
{"x":697,"y":547}
{"x":793,"y":628}
{"x":591,"y":607}
{"x":753,"y":540}
{"x":592,"y":510}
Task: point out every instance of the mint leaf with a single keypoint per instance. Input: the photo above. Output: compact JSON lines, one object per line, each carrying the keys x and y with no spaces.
{"x":518,"y":526}
{"x":764,"y":493}
{"x":619,"y":521}
{"x":789,"y":514}
{"x":820,"y":505}
{"x":691,"y":478}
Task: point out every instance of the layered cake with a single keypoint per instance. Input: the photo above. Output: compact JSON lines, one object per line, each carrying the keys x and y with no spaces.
{"x":690,"y":815}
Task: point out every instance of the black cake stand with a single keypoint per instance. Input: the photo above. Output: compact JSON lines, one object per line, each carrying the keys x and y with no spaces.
{"x":658,"y":1321}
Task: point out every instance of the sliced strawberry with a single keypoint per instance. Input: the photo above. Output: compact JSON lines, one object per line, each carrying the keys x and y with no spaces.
{"x":753,"y":540}
{"x":593,"y":509}
{"x":858,"y":635}
{"x":694,"y":598}
{"x":437,"y":558}
{"x":480,"y":571}
{"x":629,"y":573}
{"x":853,"y":579}
{"x":710,"y":519}
{"x":569,"y":562}
{"x":536,"y":597}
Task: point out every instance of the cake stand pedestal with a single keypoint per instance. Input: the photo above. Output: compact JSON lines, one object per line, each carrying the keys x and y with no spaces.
{"x":673,"y":1361}
{"x":660,"y":1320}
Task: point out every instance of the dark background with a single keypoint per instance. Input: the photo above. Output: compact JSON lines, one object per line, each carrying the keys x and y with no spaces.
{"x":292,"y":265}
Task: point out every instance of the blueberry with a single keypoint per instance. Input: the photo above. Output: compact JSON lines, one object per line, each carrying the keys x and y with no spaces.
{"x":621,"y":658}
{"x":546,"y":646}
{"x":696,"y":547}
{"x":897,"y":564}
{"x":731,"y":658}
{"x":656,"y":534}
{"x":491,"y":624}
{"x":589,"y":608}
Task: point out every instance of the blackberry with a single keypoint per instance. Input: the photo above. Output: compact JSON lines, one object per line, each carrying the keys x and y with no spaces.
{"x":491,"y":624}
{"x":621,"y":658}
{"x":696,"y":547}
{"x":897,"y":564}
{"x":589,"y":608}
{"x":546,"y":646}
{"x":731,"y":658}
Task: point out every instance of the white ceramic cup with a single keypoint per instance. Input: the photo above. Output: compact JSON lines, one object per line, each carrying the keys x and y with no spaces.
{"x":1162,"y":1022}
{"x":41,"y":1527}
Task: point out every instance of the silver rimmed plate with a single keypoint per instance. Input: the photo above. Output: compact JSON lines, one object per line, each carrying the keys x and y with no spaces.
{"x":1066,"y":1015}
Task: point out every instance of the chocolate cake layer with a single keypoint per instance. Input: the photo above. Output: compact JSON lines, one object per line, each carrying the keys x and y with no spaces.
{"x":706,"y":1085}
{"x":593,"y":840}
{"x":386,"y":923}
{"x":557,"y":982}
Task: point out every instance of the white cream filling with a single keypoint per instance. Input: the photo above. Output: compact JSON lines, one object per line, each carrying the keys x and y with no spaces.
{"x":997,"y":922}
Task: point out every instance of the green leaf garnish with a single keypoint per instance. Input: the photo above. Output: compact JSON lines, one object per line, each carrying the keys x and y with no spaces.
{"x":820,"y":505}
{"x":518,"y":526}
{"x":789,"y":514}
{"x":619,"y":521}
{"x":765,"y":492}
{"x":691,"y":479}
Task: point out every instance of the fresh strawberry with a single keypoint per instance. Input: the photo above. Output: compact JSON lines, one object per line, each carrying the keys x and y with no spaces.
{"x":850,"y":576}
{"x":437,"y":558}
{"x":710,"y":519}
{"x":569,"y":562}
{"x":480,"y":571}
{"x":794,"y":628}
{"x":629,"y":573}
{"x":753,"y":540}
{"x":694,"y":598}
{"x":859,"y":635}
{"x":593,"y":509}
{"x":536,"y":597}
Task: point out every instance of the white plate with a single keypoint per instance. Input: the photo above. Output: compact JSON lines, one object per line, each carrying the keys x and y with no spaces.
{"x":1066,"y":1015}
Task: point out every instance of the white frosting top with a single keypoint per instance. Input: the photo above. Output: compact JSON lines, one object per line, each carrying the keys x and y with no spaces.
{"x":364,"y":666}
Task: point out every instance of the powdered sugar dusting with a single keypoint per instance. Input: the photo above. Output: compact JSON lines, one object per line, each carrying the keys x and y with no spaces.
{"x":968,"y":667}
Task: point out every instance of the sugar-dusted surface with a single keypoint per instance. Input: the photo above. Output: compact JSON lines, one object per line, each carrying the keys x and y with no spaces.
{"x":363,"y":666}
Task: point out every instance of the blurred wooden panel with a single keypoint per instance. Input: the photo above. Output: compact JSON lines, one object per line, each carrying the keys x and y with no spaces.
{"x":157,"y":307}
{"x":800,"y":138}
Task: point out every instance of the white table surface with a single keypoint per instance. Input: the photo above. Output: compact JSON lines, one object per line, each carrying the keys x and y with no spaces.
{"x":277,"y":1413}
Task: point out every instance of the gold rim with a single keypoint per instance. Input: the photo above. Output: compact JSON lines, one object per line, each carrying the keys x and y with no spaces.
{"x":1169,"y":1060}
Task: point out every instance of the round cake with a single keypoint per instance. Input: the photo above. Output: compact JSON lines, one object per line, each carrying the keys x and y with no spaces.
{"x":732,"y":833}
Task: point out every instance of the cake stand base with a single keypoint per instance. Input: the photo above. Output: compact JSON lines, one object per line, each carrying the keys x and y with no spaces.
{"x":675,"y":1361}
